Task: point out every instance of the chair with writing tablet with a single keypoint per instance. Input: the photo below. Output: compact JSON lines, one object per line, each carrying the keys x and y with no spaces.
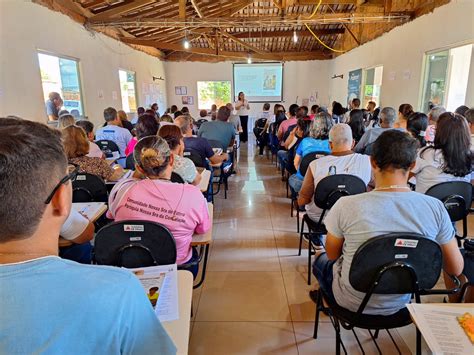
{"x":108,"y":147}
{"x":89,"y":188}
{"x":391,"y":264}
{"x":457,"y":198}
{"x":133,"y":244}
{"x":176,"y":178}
{"x":226,"y":169}
{"x":328,"y":191}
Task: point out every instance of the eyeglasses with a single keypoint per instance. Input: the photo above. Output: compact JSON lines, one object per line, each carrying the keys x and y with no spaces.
{"x":73,"y":171}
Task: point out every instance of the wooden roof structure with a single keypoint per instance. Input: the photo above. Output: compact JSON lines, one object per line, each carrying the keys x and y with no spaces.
{"x":217,"y":30}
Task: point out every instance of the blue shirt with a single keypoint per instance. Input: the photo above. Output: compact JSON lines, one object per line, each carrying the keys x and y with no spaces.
{"x":56,"y":306}
{"x":219,"y":131}
{"x":121,"y":136}
{"x":51,"y":109}
{"x":310,"y":145}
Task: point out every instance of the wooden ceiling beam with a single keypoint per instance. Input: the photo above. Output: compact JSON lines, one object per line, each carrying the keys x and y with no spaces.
{"x":211,"y":52}
{"x":275,"y":34}
{"x":327,"y":2}
{"x":196,"y":8}
{"x":242,"y":43}
{"x":182,"y":9}
{"x":116,"y":11}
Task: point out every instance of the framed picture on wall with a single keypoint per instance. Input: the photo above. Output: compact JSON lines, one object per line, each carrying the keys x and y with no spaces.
{"x":190,"y":100}
{"x":184,"y":90}
{"x":177,"y":90}
{"x":184,"y":100}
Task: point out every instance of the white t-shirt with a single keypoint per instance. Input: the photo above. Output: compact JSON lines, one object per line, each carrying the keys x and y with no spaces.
{"x":94,"y":151}
{"x":242,"y":111}
{"x":353,"y":164}
{"x":119,"y":135}
{"x":428,"y":170}
{"x":74,"y":225}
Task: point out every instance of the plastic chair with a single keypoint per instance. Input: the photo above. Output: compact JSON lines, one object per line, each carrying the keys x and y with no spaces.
{"x":89,"y":188}
{"x":457,"y":198}
{"x":130,"y":162}
{"x":175,"y":177}
{"x":108,"y":147}
{"x":133,"y":244}
{"x":375,"y":270}
{"x":328,"y":191}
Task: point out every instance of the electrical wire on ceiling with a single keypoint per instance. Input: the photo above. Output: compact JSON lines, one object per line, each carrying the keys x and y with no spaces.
{"x":314,"y":34}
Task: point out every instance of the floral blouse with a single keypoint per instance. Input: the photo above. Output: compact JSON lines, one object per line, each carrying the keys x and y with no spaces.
{"x":185,"y":168}
{"x":94,"y":166}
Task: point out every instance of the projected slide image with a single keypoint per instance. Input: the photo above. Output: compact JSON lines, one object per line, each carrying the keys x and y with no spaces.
{"x":261,"y":82}
{"x":270,"y":80}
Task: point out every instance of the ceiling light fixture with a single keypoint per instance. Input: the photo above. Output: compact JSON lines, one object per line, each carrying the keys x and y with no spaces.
{"x":186,"y":43}
{"x":249,"y":59}
{"x":295,"y":36}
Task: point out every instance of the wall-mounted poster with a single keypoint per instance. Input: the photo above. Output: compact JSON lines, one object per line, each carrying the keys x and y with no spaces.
{"x":353,"y":84}
{"x":187,"y":100}
{"x":180,"y":90}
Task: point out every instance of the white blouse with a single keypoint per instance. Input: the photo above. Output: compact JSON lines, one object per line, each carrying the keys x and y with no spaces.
{"x":242,"y":111}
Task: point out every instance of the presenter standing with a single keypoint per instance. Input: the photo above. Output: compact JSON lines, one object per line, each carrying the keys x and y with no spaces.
{"x":242,"y":106}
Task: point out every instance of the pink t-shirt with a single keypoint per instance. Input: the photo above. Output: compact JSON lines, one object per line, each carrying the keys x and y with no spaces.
{"x":180,"y":207}
{"x":131,"y":146}
{"x":285,"y":125}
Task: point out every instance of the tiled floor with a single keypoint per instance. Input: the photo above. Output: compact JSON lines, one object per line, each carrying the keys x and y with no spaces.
{"x":255,"y":297}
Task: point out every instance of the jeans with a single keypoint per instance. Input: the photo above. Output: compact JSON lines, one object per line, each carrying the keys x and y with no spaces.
{"x":81,"y":253}
{"x":193,"y":268}
{"x":322,"y":269}
{"x":282,"y":158}
{"x":295,"y":183}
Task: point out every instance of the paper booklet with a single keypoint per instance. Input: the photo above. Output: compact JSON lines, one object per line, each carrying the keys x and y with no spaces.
{"x":440,"y":327}
{"x":161,"y":286}
{"x":90,"y":210}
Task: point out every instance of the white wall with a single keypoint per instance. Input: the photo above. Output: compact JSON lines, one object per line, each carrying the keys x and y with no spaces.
{"x":300,"y":79}
{"x":402,"y":50}
{"x":26,"y":27}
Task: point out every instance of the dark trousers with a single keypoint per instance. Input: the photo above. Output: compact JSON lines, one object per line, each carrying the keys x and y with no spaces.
{"x":244,"y":120}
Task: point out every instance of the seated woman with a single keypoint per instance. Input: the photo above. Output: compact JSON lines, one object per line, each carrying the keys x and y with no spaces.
{"x":146,"y":126}
{"x":357,"y":125}
{"x":187,"y":211}
{"x":317,"y":141}
{"x":76,"y":146}
{"x":300,"y":132}
{"x":449,"y":158}
{"x":417,"y":125}
{"x":404,"y":111}
{"x":184,"y":167}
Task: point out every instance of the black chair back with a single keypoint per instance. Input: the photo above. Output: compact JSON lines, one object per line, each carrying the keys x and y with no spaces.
{"x":108,"y":147}
{"x":195,"y":157}
{"x":456,"y":197}
{"x":308,"y":158}
{"x":199,"y":122}
{"x":404,"y":262}
{"x":260,"y":123}
{"x":89,"y":188}
{"x":333,"y":187}
{"x":130,"y":162}
{"x":175,"y":177}
{"x":133,"y":244}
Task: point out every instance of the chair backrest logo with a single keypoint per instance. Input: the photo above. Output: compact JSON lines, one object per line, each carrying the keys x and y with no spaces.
{"x":81,"y":177}
{"x":406,"y":243}
{"x":133,"y":228}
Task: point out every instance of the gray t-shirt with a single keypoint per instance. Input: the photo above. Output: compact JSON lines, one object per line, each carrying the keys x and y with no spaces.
{"x":222,"y":132}
{"x":369,"y":137}
{"x":361,"y":217}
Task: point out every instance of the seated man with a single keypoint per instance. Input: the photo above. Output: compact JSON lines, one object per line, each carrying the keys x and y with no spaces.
{"x":114,"y":132}
{"x":53,"y":105}
{"x":197,"y":144}
{"x":390,"y":207}
{"x":219,"y":130}
{"x":342,"y":160}
{"x":387,"y":119}
{"x":76,"y":308}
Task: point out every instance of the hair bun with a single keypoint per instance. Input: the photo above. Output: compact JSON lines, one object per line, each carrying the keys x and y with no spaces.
{"x":150,"y":158}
